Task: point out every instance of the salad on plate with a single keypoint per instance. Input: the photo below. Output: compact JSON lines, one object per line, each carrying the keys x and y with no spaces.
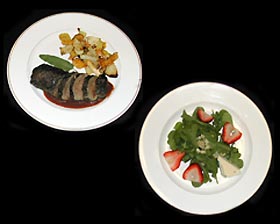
{"x":206,"y":141}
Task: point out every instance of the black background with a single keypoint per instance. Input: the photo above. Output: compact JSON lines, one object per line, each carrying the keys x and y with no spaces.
{"x":48,"y":171}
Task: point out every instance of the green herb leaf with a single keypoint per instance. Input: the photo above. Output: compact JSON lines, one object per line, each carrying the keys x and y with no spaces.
{"x":57,"y":62}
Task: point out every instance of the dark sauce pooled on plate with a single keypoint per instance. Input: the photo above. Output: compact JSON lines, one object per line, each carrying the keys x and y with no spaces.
{"x":76,"y":104}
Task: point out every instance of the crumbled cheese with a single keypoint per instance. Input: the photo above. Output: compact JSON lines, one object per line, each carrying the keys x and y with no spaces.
{"x":202,"y":143}
{"x":202,"y":151}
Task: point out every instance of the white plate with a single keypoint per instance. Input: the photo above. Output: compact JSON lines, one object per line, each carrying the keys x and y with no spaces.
{"x":42,"y":38}
{"x":211,"y":198}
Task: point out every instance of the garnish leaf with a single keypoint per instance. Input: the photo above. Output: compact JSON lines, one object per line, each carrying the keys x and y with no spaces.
{"x":57,"y":62}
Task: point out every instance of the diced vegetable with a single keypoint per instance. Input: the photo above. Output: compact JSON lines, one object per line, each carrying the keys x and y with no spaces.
{"x":78,"y":63}
{"x":89,"y":52}
{"x":111,"y":70}
{"x":65,"y":38}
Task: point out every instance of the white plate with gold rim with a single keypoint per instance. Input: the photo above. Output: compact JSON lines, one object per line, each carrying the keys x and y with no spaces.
{"x":42,"y":38}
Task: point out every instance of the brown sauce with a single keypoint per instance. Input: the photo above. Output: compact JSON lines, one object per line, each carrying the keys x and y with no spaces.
{"x":77,"y":103}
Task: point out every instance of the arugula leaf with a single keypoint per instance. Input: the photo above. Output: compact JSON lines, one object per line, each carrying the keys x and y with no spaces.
{"x":220,"y":118}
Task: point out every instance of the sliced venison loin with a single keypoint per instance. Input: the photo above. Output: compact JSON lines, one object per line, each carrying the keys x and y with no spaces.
{"x":70,"y":86}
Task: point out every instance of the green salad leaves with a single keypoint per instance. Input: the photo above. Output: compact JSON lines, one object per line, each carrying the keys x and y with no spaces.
{"x":202,"y":142}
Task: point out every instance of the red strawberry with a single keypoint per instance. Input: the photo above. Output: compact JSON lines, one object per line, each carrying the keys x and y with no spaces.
{"x":173,"y":158}
{"x":203,"y":116}
{"x":193,"y":173}
{"x":230,"y":133}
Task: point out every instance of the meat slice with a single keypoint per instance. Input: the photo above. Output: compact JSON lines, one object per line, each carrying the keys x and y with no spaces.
{"x":77,"y":87}
{"x":54,"y":92}
{"x":66,"y":93}
{"x":101,"y":86}
{"x":91,"y":89}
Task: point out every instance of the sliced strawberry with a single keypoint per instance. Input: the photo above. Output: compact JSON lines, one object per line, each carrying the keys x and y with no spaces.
{"x":173,"y":158}
{"x":193,"y":173}
{"x":203,"y":116}
{"x":230,"y":133}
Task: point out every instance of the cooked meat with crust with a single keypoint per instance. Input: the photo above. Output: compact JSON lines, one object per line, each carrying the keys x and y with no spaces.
{"x":69,"y":86}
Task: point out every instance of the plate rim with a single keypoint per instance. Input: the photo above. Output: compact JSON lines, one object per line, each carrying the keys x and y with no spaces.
{"x":153,"y":185}
{"x":133,"y":96}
